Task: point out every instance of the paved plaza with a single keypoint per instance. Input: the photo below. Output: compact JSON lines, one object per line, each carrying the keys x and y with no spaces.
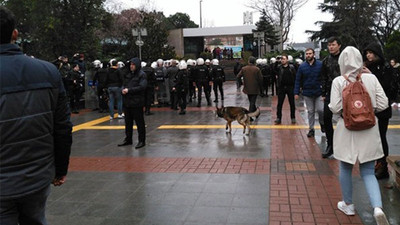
{"x":191,"y":172}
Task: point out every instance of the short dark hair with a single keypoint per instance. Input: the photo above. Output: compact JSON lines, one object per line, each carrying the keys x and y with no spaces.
{"x":308,"y":49}
{"x":252,"y":60}
{"x":7,"y":21}
{"x":334,"y":38}
{"x":284,"y":55}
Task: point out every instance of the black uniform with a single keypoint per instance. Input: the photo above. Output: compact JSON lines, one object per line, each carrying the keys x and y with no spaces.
{"x":162,"y":97}
{"x":218,"y":77}
{"x":171,"y":74}
{"x":182,"y":87}
{"x":192,"y":88}
{"x":75,"y":82}
{"x":285,"y":86}
{"x":151,"y":83}
{"x":202,"y":78}
{"x":100,"y":77}
{"x":266,"y":73}
{"x":236,"y":70}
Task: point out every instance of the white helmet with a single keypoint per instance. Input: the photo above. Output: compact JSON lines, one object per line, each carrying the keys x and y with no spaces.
{"x":143,"y":64}
{"x":154,"y":65}
{"x":208,"y":62}
{"x":97,"y":63}
{"x":160,"y":62}
{"x":258,"y":61}
{"x":290,"y":58}
{"x":264,"y":61}
{"x":111,"y":61}
{"x":299,"y":61}
{"x":215,"y":62}
{"x":200,"y":61}
{"x":272,"y":60}
{"x":182,"y":61}
{"x":182,"y":65}
{"x":120,"y":64}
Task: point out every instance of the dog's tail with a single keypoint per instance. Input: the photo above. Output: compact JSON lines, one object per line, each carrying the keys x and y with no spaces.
{"x":255,"y":113}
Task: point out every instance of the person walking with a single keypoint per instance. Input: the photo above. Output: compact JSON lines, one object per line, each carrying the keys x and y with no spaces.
{"x":252,"y":82}
{"x":329,"y":71}
{"x":114,"y":83}
{"x":133,"y":93}
{"x":285,"y":85}
{"x":352,"y":146}
{"x":375,"y":62}
{"x":218,"y":78}
{"x":36,"y":131}
{"x":308,"y":79}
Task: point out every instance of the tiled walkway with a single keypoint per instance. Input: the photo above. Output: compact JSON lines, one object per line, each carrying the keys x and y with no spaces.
{"x":192,"y":172}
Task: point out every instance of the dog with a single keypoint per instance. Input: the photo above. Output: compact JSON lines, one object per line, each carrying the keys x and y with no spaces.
{"x":240,"y":114}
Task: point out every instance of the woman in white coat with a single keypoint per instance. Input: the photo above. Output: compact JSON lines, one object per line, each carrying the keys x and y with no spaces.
{"x":365,"y":145}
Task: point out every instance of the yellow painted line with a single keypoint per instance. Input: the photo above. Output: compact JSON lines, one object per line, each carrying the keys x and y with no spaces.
{"x":233,"y":126}
{"x":106,"y":128}
{"x":394,"y":127}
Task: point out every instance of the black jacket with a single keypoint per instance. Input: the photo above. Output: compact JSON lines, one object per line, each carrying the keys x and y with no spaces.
{"x":384,"y":72}
{"x":136,"y":83}
{"x":114,"y":78}
{"x":201,"y":74}
{"x":151,"y":77}
{"x":36,"y":132}
{"x":281,"y":73}
{"x":329,"y":71}
{"x":182,"y":81}
{"x":101,"y":77}
{"x":217,"y":74}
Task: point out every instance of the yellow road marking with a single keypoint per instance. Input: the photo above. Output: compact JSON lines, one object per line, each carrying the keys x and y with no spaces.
{"x":106,"y":127}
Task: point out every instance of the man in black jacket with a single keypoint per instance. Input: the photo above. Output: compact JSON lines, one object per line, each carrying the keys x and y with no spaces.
{"x":36,"y":132}
{"x":218,"y":78}
{"x":151,"y":83}
{"x":329,"y":71}
{"x":114,"y":83}
{"x":133,"y":92}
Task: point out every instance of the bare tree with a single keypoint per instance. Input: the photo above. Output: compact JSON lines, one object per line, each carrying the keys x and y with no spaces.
{"x":387,"y":19}
{"x":281,"y":12}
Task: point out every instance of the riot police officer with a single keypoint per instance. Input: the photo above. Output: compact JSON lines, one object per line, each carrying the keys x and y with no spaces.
{"x":217,"y":77}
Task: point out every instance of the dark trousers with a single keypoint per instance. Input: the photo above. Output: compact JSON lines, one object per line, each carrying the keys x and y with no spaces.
{"x":200,"y":86}
{"x":266,"y":83}
{"x":252,"y":101}
{"x":273,"y":85}
{"x":134,"y":114}
{"x":149,"y":98}
{"x":101,"y":95}
{"x":328,"y":122}
{"x":218,"y":85}
{"x":282,"y":92}
{"x":174,"y":99}
{"x":28,"y":210}
{"x":383,"y":124}
{"x":181,"y":96}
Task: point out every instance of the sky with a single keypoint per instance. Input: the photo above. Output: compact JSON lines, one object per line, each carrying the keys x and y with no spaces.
{"x":219,"y":13}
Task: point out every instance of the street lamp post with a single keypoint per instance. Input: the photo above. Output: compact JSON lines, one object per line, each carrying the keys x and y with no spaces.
{"x":139,"y":32}
{"x":201,"y":23}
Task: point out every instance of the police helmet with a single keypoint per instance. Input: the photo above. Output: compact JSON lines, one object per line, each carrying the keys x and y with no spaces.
{"x":200,"y":61}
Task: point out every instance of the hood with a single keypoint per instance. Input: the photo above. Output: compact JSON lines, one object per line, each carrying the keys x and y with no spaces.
{"x":350,"y":62}
{"x":137,"y":63}
{"x":376,"y":49}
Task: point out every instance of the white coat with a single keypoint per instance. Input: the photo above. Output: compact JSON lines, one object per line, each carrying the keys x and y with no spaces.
{"x":350,"y":146}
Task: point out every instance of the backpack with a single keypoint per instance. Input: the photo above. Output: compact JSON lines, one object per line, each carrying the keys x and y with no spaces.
{"x":358,"y":113}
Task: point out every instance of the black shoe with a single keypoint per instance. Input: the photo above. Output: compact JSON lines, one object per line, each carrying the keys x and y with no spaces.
{"x":216,"y":100}
{"x":323,"y":128}
{"x":277,"y":121}
{"x":183,"y":112}
{"x":208,"y":103}
{"x":125,"y":143}
{"x":140,"y":145}
{"x":328,"y":152}
{"x":311,"y":133}
{"x":222,"y":98}
{"x":198,"y":105}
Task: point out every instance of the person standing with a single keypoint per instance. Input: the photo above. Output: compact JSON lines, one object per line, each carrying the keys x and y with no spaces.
{"x":171,"y":74}
{"x":151,"y":83}
{"x":100,"y":78}
{"x":285,"y":84}
{"x":76,"y":81}
{"x":182,"y":86}
{"x":218,"y":78}
{"x":236,"y":70}
{"x":252,"y":82}
{"x":363,"y":146}
{"x":36,"y":131}
{"x":202,"y":77}
{"x":375,"y":62}
{"x":308,"y":79}
{"x":114,"y":83}
{"x":133,"y":92}
{"x":266,"y":73}
{"x":329,"y":71}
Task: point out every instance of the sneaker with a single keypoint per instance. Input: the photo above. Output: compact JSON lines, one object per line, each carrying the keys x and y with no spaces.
{"x":346,"y":209}
{"x":380,"y":217}
{"x":394,"y":104}
{"x":277,"y":121}
{"x":293,"y":120}
{"x":111,"y":118}
{"x":311,"y":133}
{"x":121,"y":116}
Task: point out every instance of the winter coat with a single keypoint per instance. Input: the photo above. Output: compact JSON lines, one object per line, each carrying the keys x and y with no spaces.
{"x":182,"y":81}
{"x":252,"y":79}
{"x":217,"y":74}
{"x":308,"y":78}
{"x":36,"y":132}
{"x":171,"y":74}
{"x":136,"y":82}
{"x":330,"y":70}
{"x":151,"y":77}
{"x":114,"y":77}
{"x":364,"y":145}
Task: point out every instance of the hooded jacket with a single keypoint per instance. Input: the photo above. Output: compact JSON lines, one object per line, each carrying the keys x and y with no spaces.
{"x":385,"y":74}
{"x":35,"y":127}
{"x":364,"y":145}
{"x":136,"y":82}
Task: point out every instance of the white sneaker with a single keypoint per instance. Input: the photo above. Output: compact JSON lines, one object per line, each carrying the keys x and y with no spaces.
{"x":394,"y":104}
{"x":380,"y":217}
{"x":398,"y":105}
{"x":121,"y":116}
{"x":346,"y":209}
{"x":111,"y":118}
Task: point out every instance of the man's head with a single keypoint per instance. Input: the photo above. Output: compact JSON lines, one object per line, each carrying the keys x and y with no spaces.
{"x":393,"y":62}
{"x":75,"y":67}
{"x":135,"y":65}
{"x":334,"y":45}
{"x":7,"y":21}
{"x":252,"y":60}
{"x":284,"y":60}
{"x":310,"y":54}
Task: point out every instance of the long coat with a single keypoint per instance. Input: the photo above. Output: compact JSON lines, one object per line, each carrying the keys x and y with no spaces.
{"x":364,"y":145}
{"x":252,"y":79}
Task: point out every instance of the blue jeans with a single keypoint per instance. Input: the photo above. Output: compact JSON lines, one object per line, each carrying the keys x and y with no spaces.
{"x":367,"y":171}
{"x":115,"y":93}
{"x":28,"y":210}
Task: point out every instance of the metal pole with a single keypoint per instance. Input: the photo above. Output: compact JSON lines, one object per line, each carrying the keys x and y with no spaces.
{"x":140,"y":46}
{"x":259,"y":47}
{"x":201,"y":23}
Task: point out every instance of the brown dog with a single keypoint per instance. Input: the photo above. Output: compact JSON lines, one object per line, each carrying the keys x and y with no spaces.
{"x":240,"y":114}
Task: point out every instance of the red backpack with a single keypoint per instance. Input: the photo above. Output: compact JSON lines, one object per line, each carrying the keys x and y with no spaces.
{"x":358,"y":113}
